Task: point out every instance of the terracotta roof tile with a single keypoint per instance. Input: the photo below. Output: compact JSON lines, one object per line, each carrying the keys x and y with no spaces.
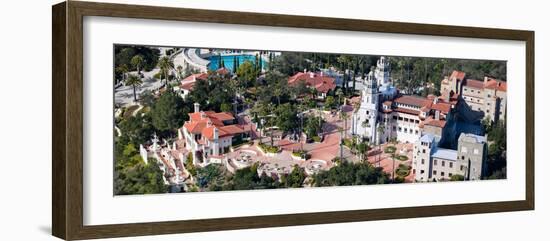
{"x":222,"y":71}
{"x":459,"y":75}
{"x":412,"y":100}
{"x":496,"y":85}
{"x":194,"y":77}
{"x":407,"y":111}
{"x":432,"y":122}
{"x":322,"y":83}
{"x":472,"y":83}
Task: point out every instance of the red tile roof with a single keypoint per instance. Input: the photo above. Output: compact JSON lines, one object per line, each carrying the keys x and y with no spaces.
{"x":472,"y":83}
{"x":231,"y":130}
{"x":223,"y":116}
{"x":412,"y":100}
{"x":496,"y":84}
{"x":320,"y":82}
{"x":433,"y":122}
{"x":195,"y":127}
{"x":459,"y":75}
{"x":188,"y":85}
{"x":442,"y":107}
{"x":407,"y":111}
{"x":194,"y":77}
{"x":222,"y":71}
{"x":223,"y":131}
{"x":204,"y":123}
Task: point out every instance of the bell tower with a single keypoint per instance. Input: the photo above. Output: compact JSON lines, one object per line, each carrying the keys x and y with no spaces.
{"x":383,"y":71}
{"x":365,"y":119}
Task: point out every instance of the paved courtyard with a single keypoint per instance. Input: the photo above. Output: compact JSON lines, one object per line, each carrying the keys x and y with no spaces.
{"x":379,"y":158}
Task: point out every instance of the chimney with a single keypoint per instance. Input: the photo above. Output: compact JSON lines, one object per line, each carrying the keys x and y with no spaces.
{"x":216,"y":133}
{"x":197,"y":107}
{"x":485,"y":81}
{"x":194,"y":78}
{"x":437,"y":114}
{"x":435,"y":99}
{"x":311,"y":75}
{"x":305,"y":70}
{"x":321,"y":73}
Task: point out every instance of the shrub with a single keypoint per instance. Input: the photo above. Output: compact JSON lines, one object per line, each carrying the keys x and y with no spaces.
{"x":301,"y":154}
{"x":457,"y":177}
{"x":403,"y":170}
{"x":390,"y":149}
{"x":349,"y":143}
{"x":399,"y":179}
{"x":269,"y":149}
{"x":316,"y":139}
{"x":157,"y":75}
{"x":402,"y":158}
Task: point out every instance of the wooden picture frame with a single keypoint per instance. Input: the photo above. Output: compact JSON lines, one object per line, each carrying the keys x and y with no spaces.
{"x":67,"y":123}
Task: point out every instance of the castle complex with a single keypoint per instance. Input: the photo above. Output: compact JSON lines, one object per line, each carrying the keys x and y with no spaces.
{"x":446,"y":131}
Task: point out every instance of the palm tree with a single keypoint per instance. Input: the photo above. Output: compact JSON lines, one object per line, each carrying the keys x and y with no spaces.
{"x":123,"y":69}
{"x":137,"y":61}
{"x":344,"y":117}
{"x":339,"y":93}
{"x":277,"y":92}
{"x":393,"y":167}
{"x":133,"y":80}
{"x":165,"y":64}
{"x":180,"y":71}
{"x":341,"y":144}
{"x":380,"y":129}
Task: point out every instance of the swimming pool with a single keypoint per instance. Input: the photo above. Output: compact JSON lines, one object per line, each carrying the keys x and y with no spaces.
{"x":228,"y":61}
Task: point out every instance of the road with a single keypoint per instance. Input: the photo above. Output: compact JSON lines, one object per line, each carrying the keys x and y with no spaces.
{"x":124,"y":95}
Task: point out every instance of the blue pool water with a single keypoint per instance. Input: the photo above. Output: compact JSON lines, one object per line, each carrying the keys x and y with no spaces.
{"x":228,"y":61}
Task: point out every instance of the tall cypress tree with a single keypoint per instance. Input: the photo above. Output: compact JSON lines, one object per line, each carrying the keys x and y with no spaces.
{"x":236,"y":67}
{"x":234,"y":64}
{"x":260,"y":63}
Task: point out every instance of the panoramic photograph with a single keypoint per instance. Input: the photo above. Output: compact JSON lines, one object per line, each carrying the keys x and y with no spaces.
{"x":191,"y":119}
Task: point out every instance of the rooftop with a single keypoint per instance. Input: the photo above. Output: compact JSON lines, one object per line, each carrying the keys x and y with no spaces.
{"x":459,"y":75}
{"x":319,"y":81}
{"x":473,"y":83}
{"x":427,"y":138}
{"x":446,"y":154}
{"x":496,"y":84}
{"x":194,"y":77}
{"x":412,"y":100}
{"x":466,"y":137}
{"x":204,"y":122}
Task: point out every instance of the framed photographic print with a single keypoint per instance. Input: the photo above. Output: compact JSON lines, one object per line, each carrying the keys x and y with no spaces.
{"x":171,"y":120}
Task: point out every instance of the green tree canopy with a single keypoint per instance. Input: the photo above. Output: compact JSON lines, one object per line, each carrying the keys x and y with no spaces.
{"x":247,"y":74}
{"x":134,"y":81}
{"x":295,"y":178}
{"x":286,"y":118}
{"x":169,"y":112}
{"x":140,"y":179}
{"x":347,"y":174}
{"x":125,"y":53}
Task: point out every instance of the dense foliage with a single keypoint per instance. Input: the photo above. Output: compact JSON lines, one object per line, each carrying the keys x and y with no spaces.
{"x":410,"y":73}
{"x":275,"y":106}
{"x":212,"y":93}
{"x":346,"y":174}
{"x":496,"y":157}
{"x":125,"y":53}
{"x":168,"y":112}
